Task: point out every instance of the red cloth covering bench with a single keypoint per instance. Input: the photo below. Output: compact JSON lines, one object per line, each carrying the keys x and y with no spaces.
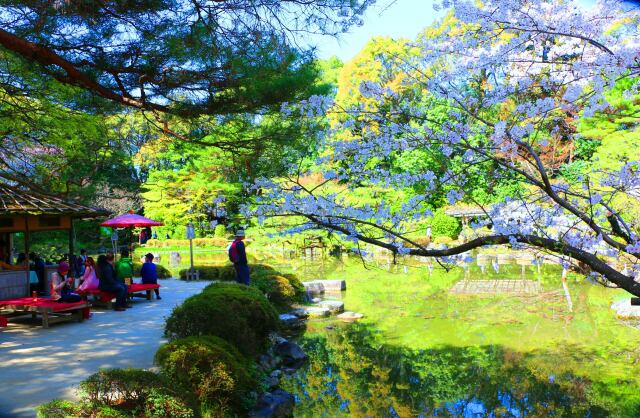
{"x":50,"y":310}
{"x":107,"y":297}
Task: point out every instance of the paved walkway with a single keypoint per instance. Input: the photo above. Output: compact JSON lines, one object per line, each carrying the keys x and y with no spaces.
{"x":38,"y":365}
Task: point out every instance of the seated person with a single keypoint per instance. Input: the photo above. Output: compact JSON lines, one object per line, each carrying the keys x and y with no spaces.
{"x":109,"y":283}
{"x":149,"y":273}
{"x":89,"y":279}
{"x":61,"y":283}
{"x":124,"y":267}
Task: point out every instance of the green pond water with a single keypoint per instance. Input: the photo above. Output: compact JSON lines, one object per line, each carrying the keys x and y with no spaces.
{"x":422,"y":351}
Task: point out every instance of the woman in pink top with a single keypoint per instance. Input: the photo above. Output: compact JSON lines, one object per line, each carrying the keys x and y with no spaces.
{"x":89,"y":278}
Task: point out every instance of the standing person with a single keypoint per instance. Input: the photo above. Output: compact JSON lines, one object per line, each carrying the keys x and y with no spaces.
{"x":238,"y":256}
{"x":89,"y":277}
{"x":61,"y":285}
{"x":154,"y":235}
{"x":109,"y":283}
{"x":124,"y":267}
{"x":428,"y":234}
{"x":149,"y":273}
{"x":143,"y":237}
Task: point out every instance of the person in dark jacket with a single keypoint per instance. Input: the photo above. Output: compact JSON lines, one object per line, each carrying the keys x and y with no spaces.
{"x":149,"y":273}
{"x":38,"y":267}
{"x":238,"y":256}
{"x":109,"y":282}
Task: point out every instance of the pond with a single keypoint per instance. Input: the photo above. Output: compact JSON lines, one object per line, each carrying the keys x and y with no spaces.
{"x":423,"y":351}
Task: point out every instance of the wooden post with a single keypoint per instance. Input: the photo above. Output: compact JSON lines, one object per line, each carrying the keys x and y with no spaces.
{"x":26,"y":251}
{"x":72,"y":235}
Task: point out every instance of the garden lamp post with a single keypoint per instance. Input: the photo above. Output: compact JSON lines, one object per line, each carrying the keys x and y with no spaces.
{"x":192,"y":274}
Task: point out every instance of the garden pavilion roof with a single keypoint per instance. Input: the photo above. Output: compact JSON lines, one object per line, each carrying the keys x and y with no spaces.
{"x":23,"y":201}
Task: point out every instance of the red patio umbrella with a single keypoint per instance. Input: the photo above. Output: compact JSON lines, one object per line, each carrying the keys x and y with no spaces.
{"x":130,"y":220}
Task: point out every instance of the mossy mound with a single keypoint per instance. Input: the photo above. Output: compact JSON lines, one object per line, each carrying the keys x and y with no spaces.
{"x":281,"y":290}
{"x":239,"y":314}
{"x":211,"y":369}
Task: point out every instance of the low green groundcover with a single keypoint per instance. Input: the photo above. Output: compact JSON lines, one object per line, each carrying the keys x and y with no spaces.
{"x":236,"y":313}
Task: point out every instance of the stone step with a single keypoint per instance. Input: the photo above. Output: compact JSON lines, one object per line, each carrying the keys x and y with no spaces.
{"x":334,"y":306}
{"x":318,"y":311}
{"x":350,"y":316}
{"x":320,"y":286}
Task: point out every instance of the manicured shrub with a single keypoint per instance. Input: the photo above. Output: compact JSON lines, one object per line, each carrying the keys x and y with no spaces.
{"x":226,"y":273}
{"x":59,"y":409}
{"x":445,"y":225}
{"x":237,"y":313}
{"x":161,"y":405}
{"x":220,"y":231}
{"x":122,"y":387}
{"x":281,"y":290}
{"x":163,"y":272}
{"x":211,"y":369}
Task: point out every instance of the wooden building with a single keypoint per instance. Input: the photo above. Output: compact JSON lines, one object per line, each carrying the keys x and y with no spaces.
{"x":27,"y":211}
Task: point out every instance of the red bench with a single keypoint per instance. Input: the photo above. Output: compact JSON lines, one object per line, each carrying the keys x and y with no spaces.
{"x":106,"y":297}
{"x":50,"y":310}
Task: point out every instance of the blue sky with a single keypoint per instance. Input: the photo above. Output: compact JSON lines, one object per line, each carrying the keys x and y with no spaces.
{"x":397,"y":19}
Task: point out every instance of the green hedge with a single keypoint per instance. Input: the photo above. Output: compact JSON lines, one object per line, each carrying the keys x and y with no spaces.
{"x":282,"y":290}
{"x":163,"y":272}
{"x":211,"y":369}
{"x":239,"y":314}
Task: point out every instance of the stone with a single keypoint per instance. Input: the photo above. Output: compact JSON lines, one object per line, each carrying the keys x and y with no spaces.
{"x":291,"y":321}
{"x":273,"y":380}
{"x":316,"y":300}
{"x":317,"y":312}
{"x":624,"y":309}
{"x":274,"y":404}
{"x":350,"y":316}
{"x":300,"y":313}
{"x":313,"y":288}
{"x":334,"y":306}
{"x":291,"y":354}
{"x":267,"y":362}
{"x":335,"y":285}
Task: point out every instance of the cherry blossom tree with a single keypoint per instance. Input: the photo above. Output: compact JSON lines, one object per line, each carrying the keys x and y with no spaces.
{"x":513,"y":77}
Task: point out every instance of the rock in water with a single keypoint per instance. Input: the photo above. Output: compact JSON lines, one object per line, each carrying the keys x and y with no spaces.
{"x":313,"y":288}
{"x":291,"y":354}
{"x":317,"y":312}
{"x":350,"y":316}
{"x":334,"y":306}
{"x":274,"y":404}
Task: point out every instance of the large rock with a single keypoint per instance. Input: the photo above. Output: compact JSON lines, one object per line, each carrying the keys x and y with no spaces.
{"x":274,"y":404}
{"x":350,"y":316}
{"x":334,"y":306}
{"x":624,"y":310}
{"x":291,"y":321}
{"x":291,"y":354}
{"x":317,"y":311}
{"x":313,"y":288}
{"x":317,"y":287}
{"x":334,"y":285}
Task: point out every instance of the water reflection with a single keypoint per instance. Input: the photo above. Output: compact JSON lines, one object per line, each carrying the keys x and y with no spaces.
{"x":352,"y":373}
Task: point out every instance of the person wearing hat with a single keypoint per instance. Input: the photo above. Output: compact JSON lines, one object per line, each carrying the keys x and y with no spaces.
{"x":238,"y":256}
{"x":61,"y":283}
{"x":149,"y":273}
